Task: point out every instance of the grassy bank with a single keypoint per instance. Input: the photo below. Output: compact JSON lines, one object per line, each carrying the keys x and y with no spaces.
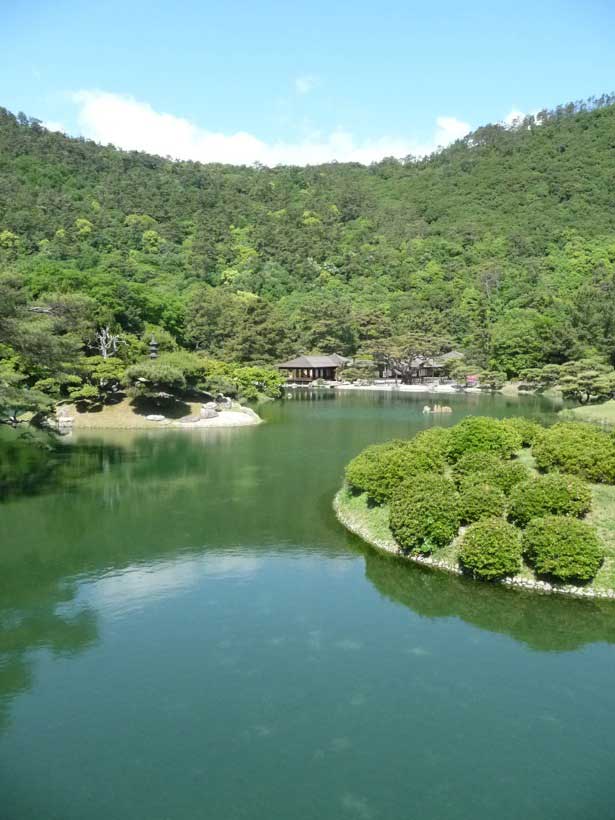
{"x":371,"y":523}
{"x":603,"y":414}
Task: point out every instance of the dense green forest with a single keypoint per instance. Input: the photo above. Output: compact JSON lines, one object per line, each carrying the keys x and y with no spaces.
{"x":502,"y":243}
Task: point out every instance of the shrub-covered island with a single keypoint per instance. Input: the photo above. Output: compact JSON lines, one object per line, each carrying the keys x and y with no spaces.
{"x":500,"y":500}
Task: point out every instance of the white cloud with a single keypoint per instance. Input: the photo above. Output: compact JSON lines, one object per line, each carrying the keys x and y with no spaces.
{"x":134,"y":125}
{"x":449,"y":129}
{"x":52,"y":125}
{"x":136,"y":586}
{"x":305,"y":83}
{"x":514,"y":117}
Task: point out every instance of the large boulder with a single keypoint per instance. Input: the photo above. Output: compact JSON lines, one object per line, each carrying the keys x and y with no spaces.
{"x":208,"y":412}
{"x":223,"y":402}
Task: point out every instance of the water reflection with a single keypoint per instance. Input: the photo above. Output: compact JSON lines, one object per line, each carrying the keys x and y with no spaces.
{"x":137,"y":586}
{"x":135,"y":518}
{"x":37,"y":462}
{"x":52,"y":624}
{"x":543,"y":622}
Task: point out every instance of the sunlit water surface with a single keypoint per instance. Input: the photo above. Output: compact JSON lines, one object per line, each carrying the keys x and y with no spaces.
{"x":186,"y":632}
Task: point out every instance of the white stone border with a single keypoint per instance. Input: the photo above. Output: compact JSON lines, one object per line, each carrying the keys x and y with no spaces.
{"x":447,"y":566}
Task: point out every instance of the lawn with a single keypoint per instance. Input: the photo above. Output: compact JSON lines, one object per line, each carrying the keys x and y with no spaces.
{"x":603,"y":414}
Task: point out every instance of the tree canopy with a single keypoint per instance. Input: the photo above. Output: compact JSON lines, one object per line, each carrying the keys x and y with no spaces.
{"x":503,"y":244}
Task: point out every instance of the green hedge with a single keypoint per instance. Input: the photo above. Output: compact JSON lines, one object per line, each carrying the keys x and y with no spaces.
{"x":486,"y":468}
{"x":473,"y":463}
{"x":481,"y":500}
{"x":577,"y":448}
{"x":491,"y":549}
{"x":563,"y":548}
{"x":507,"y":475}
{"x":381,"y":468}
{"x":434,"y":440}
{"x":424,"y":513}
{"x":552,"y":494}
{"x":529,"y":431}
{"x":365,"y":472}
{"x":482,"y":434}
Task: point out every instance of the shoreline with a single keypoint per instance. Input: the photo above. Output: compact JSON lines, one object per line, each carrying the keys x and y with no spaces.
{"x":408,"y":388}
{"x":122,"y":416}
{"x":359,"y":526}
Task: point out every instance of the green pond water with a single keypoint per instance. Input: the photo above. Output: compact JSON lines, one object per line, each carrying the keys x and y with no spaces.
{"x":186,"y":632}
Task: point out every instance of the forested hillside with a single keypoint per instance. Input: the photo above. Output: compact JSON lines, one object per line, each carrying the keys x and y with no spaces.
{"x":503,"y":243}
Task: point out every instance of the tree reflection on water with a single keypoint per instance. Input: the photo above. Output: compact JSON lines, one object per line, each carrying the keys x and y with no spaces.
{"x":543,"y":622}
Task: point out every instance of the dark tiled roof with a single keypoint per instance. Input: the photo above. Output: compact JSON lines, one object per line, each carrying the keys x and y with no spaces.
{"x":315,"y":361}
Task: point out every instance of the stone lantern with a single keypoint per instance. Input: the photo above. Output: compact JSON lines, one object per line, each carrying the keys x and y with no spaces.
{"x":153,"y":348}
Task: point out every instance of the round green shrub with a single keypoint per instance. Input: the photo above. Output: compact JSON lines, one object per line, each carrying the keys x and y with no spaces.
{"x":483,"y":434}
{"x":365,"y":472}
{"x":481,"y":500}
{"x":491,"y":549}
{"x":530,"y":431}
{"x":409,"y":461}
{"x":577,"y":448}
{"x":563,"y":548}
{"x":424,"y":513}
{"x":379,"y":469}
{"x":552,"y":494}
{"x":435,"y":440}
{"x":503,"y":474}
{"x":474,"y":463}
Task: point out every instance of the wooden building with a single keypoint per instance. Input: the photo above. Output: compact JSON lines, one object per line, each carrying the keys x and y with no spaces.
{"x":306,"y":369}
{"x":433,"y":367}
{"x":420,"y":369}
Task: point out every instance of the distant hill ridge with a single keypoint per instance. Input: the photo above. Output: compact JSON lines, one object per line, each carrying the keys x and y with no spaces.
{"x":504,"y":241}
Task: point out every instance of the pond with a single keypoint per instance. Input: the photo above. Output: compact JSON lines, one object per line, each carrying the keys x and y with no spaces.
{"x":186,"y":632}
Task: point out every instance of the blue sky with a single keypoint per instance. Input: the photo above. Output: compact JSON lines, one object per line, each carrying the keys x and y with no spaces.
{"x":281,"y":82}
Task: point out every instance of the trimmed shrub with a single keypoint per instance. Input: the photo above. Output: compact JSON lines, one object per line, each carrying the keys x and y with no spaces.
{"x":424,"y":513}
{"x":481,"y":500}
{"x":482,"y":434}
{"x":504,"y":474}
{"x":474,"y":463}
{"x":487,"y":468}
{"x":491,"y":549}
{"x":530,"y":431}
{"x":365,"y":472}
{"x":563,"y":548}
{"x":407,"y":462}
{"x":552,"y":494}
{"x":381,"y":468}
{"x":435,"y":440}
{"x":577,"y":448}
